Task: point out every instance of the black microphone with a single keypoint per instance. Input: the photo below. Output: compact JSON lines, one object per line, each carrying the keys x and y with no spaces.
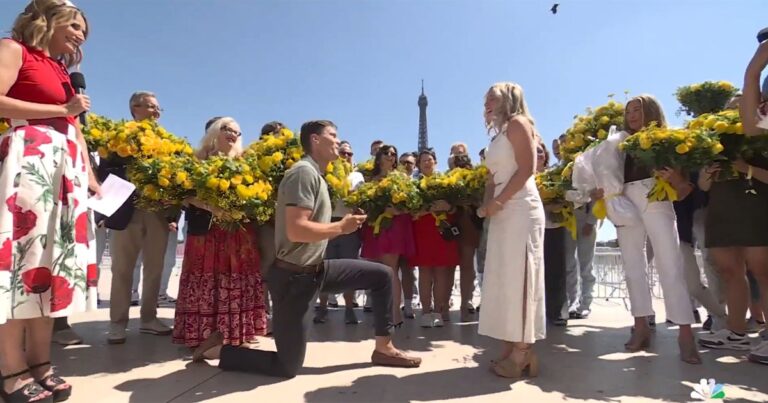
{"x":762,"y":35}
{"x":78,"y":83}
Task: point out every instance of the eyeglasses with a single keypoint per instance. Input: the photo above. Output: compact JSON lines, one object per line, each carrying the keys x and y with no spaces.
{"x":151,"y":107}
{"x":346,"y":153}
{"x":229,"y":130}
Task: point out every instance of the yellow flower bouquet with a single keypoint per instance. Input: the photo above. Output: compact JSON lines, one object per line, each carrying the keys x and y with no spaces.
{"x":274,"y":153}
{"x":98,"y":131}
{"x":660,"y":147}
{"x":706,"y":97}
{"x":163,"y":182}
{"x":145,"y":139}
{"x":366,"y":169}
{"x":591,"y":128}
{"x":726,"y":127}
{"x":233,"y":187}
{"x":337,"y":177}
{"x":465,"y":186}
{"x":4,"y":125}
{"x":552,"y":184}
{"x":396,"y":190}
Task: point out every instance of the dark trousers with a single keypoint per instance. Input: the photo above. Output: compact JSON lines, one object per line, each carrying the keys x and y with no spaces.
{"x":554,"y":271}
{"x":292,"y":295}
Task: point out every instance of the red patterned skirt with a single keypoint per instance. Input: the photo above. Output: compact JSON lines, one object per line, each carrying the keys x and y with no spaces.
{"x":220,"y":289}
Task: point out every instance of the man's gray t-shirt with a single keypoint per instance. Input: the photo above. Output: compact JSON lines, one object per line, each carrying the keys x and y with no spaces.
{"x":303,"y":186}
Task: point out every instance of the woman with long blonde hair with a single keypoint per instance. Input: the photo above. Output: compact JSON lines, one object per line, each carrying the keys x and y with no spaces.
{"x":513,"y":284}
{"x":656,"y":221}
{"x":44,"y":179}
{"x":220,"y":289}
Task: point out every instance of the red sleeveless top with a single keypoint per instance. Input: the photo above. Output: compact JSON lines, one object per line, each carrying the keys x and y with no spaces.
{"x":42,"y":80}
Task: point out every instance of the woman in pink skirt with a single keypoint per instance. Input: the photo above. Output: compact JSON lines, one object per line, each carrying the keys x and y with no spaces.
{"x":392,"y":242}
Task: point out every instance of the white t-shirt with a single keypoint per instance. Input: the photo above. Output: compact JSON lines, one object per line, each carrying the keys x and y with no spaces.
{"x":355,"y":179}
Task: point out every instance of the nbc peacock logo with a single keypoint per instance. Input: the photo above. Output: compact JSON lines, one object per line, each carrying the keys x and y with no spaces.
{"x":708,"y":390}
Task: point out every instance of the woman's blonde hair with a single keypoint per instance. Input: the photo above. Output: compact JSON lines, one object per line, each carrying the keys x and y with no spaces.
{"x":652,"y":111}
{"x":34,"y":26}
{"x":510,"y":102}
{"x":208,"y":143}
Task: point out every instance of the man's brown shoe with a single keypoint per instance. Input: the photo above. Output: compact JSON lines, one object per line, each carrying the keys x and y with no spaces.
{"x":401,"y":360}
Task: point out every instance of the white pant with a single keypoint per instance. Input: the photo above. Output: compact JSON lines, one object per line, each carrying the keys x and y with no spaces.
{"x":659,"y":225}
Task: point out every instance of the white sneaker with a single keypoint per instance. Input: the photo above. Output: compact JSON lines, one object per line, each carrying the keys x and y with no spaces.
{"x":116,"y":333}
{"x":155,"y":327}
{"x":759,"y":354}
{"x":726,"y":340}
{"x":437,"y":320}
{"x":425,"y":320}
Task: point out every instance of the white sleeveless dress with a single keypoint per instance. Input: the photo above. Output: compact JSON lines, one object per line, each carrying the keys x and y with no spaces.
{"x":513,"y":282}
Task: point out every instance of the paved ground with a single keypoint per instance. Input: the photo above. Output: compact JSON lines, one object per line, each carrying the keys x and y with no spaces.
{"x":584,"y":361}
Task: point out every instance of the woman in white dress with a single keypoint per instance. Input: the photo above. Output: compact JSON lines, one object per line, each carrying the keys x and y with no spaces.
{"x":513,"y":286}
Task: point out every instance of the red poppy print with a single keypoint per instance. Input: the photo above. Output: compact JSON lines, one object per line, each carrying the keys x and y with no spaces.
{"x":61,"y":293}
{"x":67,"y":187}
{"x":92,"y":275}
{"x":6,"y":255}
{"x":33,"y":139}
{"x":5,"y":144}
{"x":23,"y":221}
{"x":81,"y":228}
{"x":58,"y":124}
{"x":37,"y":280}
{"x":74,"y":151}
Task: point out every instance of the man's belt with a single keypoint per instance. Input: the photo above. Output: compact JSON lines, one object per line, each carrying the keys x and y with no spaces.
{"x":282,"y":264}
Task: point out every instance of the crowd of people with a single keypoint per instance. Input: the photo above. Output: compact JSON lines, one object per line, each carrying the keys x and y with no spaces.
{"x":239,"y":284}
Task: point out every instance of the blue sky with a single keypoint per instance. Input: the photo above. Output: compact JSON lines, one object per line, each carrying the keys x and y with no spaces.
{"x":360,"y":63}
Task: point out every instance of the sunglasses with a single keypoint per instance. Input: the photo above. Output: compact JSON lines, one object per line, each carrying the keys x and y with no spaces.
{"x":346,"y":153}
{"x":389,"y":153}
{"x":407,"y":163}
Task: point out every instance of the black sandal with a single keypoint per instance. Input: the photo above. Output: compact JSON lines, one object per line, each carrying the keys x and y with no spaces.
{"x":52,"y":382}
{"x":27,"y":393}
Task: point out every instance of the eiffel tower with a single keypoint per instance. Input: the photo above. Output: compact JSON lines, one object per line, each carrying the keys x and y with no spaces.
{"x":423,"y":138}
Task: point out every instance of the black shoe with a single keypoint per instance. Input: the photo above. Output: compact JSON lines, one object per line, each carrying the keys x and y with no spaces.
{"x":652,"y":322}
{"x":333,"y":305}
{"x":707,"y":324}
{"x":696,"y":316}
{"x":560,"y":322}
{"x":367,"y":309}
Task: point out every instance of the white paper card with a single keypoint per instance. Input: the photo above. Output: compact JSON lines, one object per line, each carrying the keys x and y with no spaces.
{"x":114,"y":192}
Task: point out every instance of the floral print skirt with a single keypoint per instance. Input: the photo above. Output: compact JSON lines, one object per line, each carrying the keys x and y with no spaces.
{"x":220,"y":289}
{"x":44,"y":221}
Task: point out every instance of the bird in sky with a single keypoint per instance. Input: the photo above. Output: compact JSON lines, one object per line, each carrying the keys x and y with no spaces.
{"x":554,"y":8}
